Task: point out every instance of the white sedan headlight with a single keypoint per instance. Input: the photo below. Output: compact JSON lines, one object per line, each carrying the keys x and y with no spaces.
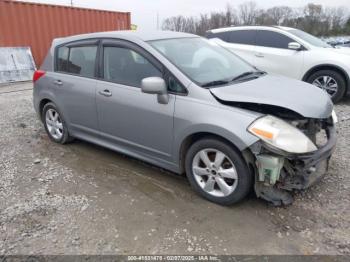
{"x":282,"y":135}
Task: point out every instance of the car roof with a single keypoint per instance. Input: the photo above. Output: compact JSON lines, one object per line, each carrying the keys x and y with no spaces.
{"x":128,"y":35}
{"x":285,"y":28}
{"x":250,"y":27}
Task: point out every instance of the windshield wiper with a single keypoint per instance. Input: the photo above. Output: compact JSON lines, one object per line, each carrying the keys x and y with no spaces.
{"x":248,"y":73}
{"x":224,"y":82}
{"x":215,"y":83}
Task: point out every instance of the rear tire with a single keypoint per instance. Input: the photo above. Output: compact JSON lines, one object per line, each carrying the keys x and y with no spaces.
{"x":225,"y":179}
{"x":330,"y":81}
{"x":55,"y":125}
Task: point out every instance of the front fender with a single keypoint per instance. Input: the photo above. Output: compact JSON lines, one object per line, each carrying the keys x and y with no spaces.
{"x":228,"y":122}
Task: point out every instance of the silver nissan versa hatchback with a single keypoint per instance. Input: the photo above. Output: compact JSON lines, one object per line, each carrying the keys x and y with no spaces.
{"x":185,"y":104}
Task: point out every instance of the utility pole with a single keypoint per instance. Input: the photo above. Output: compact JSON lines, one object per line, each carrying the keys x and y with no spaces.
{"x":71,"y":2}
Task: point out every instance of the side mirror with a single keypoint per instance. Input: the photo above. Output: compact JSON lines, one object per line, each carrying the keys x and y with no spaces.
{"x":157,"y":86}
{"x":294,"y":46}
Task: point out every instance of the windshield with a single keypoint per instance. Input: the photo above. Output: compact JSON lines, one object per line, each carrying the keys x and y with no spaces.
{"x":312,"y":40}
{"x":204,"y":62}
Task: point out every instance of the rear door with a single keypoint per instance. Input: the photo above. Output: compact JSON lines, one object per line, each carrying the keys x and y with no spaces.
{"x":241,"y":42}
{"x":74,"y":84}
{"x":272,"y":54}
{"x":128,"y":117}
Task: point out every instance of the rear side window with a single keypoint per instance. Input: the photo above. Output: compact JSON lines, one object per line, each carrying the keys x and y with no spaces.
{"x":77,"y":60}
{"x":244,"y":37}
{"x":224,"y":36}
{"x":127,"y":67}
{"x":272,"y":39}
{"x":82,"y":60}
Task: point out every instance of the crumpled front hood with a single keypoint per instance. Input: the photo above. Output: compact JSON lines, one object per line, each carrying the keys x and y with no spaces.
{"x":300,"y":97}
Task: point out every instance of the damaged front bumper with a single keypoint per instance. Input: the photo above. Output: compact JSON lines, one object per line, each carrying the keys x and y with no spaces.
{"x":278,"y":173}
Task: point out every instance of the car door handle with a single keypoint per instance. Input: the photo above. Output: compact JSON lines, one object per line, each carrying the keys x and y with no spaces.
{"x":259,"y":55}
{"x":58,"y":82}
{"x":105,"y":92}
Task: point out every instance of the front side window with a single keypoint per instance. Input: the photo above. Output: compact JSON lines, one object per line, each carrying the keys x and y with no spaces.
{"x":127,"y":67}
{"x":204,"y":62}
{"x":272,"y":39}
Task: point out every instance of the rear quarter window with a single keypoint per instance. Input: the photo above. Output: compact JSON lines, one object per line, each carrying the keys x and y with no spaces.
{"x":62,"y":59}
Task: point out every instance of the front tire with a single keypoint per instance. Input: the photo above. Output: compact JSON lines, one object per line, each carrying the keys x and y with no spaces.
{"x":217,"y":171}
{"x":331,"y":82}
{"x":55,"y":125}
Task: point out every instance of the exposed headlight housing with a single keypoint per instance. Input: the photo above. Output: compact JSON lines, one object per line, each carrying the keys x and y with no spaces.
{"x":281,"y":135}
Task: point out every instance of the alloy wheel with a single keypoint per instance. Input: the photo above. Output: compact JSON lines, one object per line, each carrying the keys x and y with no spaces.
{"x":54,"y":124}
{"x":327,"y":83}
{"x":214,"y":172}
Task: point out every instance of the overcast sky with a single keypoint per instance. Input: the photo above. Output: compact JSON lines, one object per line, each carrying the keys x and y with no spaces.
{"x":144,"y":13}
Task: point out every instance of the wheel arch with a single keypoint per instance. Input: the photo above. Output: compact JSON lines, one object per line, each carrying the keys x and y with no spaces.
{"x":335,"y":68}
{"x":194,"y":137}
{"x":42,"y":103}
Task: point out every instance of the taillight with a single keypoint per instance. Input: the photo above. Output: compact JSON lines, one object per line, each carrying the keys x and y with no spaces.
{"x":38,"y":74}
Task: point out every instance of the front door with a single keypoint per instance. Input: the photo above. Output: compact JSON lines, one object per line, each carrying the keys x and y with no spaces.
{"x":273,"y":56}
{"x":127,"y":116}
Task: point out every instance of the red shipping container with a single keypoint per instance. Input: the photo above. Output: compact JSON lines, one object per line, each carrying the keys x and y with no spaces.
{"x":35,"y":25}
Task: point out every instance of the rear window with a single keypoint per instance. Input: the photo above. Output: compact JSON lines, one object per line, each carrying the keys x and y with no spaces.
{"x":79,"y":60}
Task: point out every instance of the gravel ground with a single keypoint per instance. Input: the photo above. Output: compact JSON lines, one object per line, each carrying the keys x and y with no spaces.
{"x":83,"y":199}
